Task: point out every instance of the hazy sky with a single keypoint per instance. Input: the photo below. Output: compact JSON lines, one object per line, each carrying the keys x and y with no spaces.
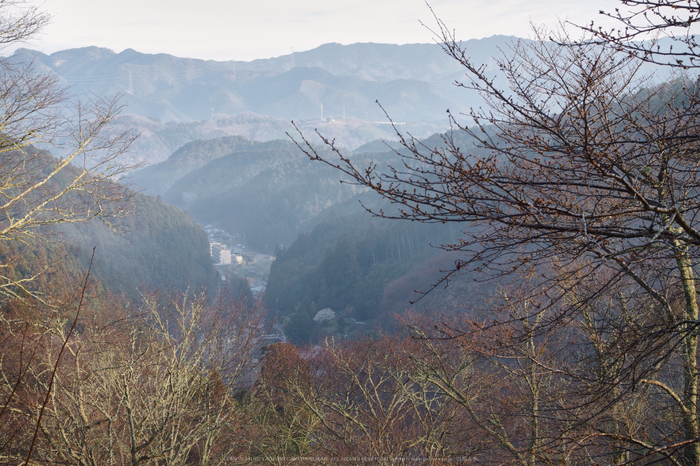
{"x":249,"y":29}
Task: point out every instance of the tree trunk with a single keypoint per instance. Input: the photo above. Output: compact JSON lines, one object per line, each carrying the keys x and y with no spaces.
{"x":690,"y":348}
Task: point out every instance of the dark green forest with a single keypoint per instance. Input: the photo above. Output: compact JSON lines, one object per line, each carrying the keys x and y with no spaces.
{"x":346,"y":264}
{"x":155,"y":247}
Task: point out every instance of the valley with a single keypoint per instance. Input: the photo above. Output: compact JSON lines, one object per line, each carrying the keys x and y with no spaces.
{"x":479,"y":251}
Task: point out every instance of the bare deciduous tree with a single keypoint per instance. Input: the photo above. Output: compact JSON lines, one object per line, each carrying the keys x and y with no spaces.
{"x":582,"y":176}
{"x":277,"y":424}
{"x":644,"y":22}
{"x":72,"y":183}
{"x":358,"y":400}
{"x":136,"y":386}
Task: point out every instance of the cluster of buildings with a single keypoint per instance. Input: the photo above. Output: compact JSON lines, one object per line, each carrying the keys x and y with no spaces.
{"x":223,"y":255}
{"x":220,"y":252}
{"x":225,"y":250}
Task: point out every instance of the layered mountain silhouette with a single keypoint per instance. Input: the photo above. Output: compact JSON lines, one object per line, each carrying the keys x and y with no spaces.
{"x":413,"y":82}
{"x":335,"y":88}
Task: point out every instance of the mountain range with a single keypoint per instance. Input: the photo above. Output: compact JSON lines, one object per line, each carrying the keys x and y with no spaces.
{"x":336,"y":88}
{"x":350,"y":93}
{"x":413,"y":82}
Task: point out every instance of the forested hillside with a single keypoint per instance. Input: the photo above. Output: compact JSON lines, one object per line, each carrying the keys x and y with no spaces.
{"x":109,"y":301}
{"x":263,"y":193}
{"x":154,"y":247}
{"x":157,"y":179}
{"x":353,"y":265}
{"x":330,"y":252}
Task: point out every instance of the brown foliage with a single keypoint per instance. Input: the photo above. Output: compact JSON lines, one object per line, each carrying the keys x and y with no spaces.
{"x":152,"y":385}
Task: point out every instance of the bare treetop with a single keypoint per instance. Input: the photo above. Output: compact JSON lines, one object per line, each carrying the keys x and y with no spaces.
{"x":58,"y":158}
{"x":20,"y":21}
{"x":644,"y":22}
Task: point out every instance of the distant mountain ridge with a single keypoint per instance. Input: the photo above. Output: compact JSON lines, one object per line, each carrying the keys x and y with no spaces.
{"x":334,"y":88}
{"x":413,"y":82}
